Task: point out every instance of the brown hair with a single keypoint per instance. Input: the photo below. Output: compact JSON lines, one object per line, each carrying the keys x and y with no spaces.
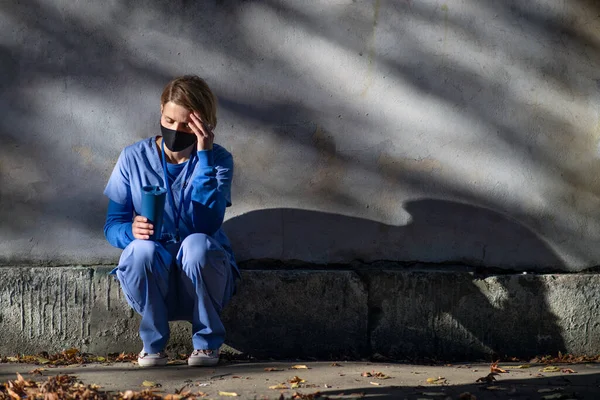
{"x":193,"y":93}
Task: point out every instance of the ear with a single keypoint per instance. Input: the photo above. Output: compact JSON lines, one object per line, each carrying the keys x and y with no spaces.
{"x":161,"y":109}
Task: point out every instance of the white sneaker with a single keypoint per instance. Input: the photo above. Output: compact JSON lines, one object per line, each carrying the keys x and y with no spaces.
{"x":203,"y":358}
{"x":152,"y":359}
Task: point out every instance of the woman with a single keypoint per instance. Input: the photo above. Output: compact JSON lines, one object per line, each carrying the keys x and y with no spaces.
{"x":189,"y":273}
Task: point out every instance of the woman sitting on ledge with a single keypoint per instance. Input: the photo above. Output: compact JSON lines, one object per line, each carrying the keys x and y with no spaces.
{"x":189,"y":273}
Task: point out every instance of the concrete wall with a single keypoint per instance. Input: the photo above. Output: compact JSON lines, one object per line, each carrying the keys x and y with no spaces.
{"x":389,"y":311}
{"x":417,"y":130}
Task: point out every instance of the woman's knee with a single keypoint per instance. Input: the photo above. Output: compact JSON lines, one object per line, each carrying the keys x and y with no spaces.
{"x":194,"y":249}
{"x":139,"y":255}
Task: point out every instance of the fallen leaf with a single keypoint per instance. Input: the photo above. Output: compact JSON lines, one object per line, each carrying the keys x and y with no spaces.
{"x":296,"y":379}
{"x":71,"y":352}
{"x":151,"y":384}
{"x":12,"y":359}
{"x":366,"y":374}
{"x":12,"y":394}
{"x":271,"y":369}
{"x":299,"y":367}
{"x":568,"y":371}
{"x":494,"y":368}
{"x":489,"y":378}
{"x":37,"y":371}
{"x":335,"y":364}
{"x":228,"y":394}
{"x":295,"y":386}
{"x":100,"y":359}
{"x":550,"y":368}
{"x":436,"y":380}
{"x":381,"y":375}
{"x":279,"y":386}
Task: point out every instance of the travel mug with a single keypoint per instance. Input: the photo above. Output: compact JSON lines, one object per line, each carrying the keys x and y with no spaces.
{"x":153,"y":207}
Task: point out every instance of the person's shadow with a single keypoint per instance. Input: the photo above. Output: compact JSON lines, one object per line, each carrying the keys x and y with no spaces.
{"x":462,"y":293}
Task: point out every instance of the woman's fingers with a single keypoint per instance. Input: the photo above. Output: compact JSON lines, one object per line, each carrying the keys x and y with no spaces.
{"x":202,"y":127}
{"x":197,"y":126}
{"x":141,"y":228}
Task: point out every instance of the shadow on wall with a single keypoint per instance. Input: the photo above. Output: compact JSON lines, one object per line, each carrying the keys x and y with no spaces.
{"x":438,"y":231}
{"x":432,"y":307}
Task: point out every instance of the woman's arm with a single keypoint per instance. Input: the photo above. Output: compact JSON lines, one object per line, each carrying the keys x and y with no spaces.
{"x":211,"y":191}
{"x":118,"y":225}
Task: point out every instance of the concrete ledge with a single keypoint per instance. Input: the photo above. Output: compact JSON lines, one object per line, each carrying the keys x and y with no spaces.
{"x":320,"y":313}
{"x":452,"y":315}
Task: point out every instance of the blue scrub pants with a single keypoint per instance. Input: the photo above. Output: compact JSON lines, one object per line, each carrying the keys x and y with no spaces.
{"x":191,"y":281}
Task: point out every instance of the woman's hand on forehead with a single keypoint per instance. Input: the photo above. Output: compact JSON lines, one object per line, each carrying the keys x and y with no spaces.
{"x":202,"y":131}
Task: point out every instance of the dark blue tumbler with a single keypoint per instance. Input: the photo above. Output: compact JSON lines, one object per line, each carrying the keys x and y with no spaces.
{"x":153,"y":207}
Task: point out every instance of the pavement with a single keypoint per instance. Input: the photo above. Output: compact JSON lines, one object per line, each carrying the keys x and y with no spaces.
{"x":333,"y":380}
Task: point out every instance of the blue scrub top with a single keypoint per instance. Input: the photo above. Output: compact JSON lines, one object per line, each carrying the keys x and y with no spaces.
{"x":205,"y":196}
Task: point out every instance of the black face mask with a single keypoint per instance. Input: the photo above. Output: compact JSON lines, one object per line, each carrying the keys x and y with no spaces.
{"x":177,"y":140}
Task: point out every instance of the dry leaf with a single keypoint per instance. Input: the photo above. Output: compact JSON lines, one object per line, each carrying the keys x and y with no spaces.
{"x":568,"y":371}
{"x":335,"y":364}
{"x":436,"y":380}
{"x":13,"y":394}
{"x":296,"y":379}
{"x":151,"y":384}
{"x":271,"y":369}
{"x":71,"y":352}
{"x":279,"y":386}
{"x":366,"y":374}
{"x":550,"y":368}
{"x":37,"y":371}
{"x":494,"y":368}
{"x":381,"y":375}
{"x":489,"y":378}
{"x":228,"y":394}
{"x":299,"y":367}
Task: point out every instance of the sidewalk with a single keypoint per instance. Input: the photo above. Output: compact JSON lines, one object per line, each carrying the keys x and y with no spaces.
{"x":340,"y":380}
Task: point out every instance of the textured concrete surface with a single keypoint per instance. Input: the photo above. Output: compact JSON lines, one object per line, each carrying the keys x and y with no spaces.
{"x":466,"y":317}
{"x":343,"y":381}
{"x":400,"y":314}
{"x":431,"y":130}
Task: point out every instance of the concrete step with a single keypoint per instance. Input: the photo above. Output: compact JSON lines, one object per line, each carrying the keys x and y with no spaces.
{"x":400,"y":313}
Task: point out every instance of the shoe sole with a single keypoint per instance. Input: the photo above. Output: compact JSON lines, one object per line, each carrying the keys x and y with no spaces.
{"x":152,"y":363}
{"x":203,"y":362}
